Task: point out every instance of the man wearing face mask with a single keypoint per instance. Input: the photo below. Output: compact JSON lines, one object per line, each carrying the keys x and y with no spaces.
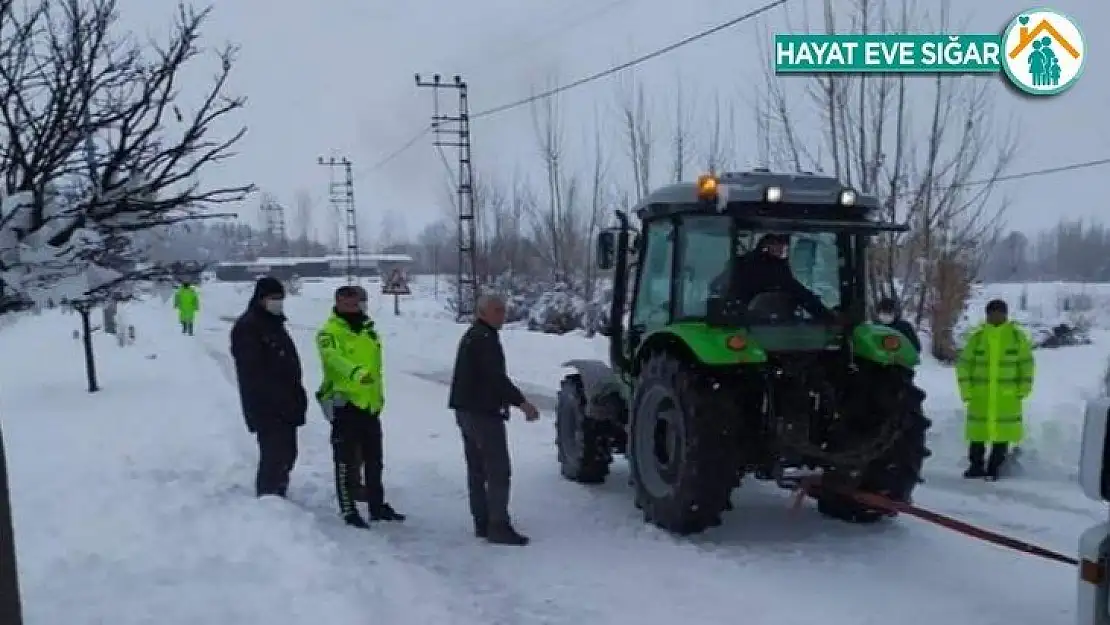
{"x":889,"y":314}
{"x":766,"y":269}
{"x":353,"y":395}
{"x":270,"y":388}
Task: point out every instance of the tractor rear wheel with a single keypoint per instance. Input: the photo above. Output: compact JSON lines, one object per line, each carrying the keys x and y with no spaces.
{"x":680,"y":459}
{"x":584,"y":449}
{"x":898,"y":471}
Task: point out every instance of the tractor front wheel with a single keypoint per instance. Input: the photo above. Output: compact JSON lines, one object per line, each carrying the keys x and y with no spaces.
{"x":679,"y":458}
{"x":584,"y":449}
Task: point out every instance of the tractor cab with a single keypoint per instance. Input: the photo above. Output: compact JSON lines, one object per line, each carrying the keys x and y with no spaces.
{"x":758,"y":263}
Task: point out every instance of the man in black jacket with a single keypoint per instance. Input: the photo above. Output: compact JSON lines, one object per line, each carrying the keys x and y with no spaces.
{"x":481,"y":394}
{"x":889,"y":314}
{"x":766,"y":269}
{"x":270,"y":387}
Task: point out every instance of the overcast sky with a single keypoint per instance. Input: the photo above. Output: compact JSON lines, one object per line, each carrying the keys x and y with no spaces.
{"x":336,"y":77}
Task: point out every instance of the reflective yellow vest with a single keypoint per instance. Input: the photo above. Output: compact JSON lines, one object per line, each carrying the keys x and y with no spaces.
{"x":347,"y":358}
{"x":995,"y":375}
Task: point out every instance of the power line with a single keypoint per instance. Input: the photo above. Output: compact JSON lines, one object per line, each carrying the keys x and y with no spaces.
{"x":586,"y":79}
{"x":1036,"y":173}
{"x":632,"y":63}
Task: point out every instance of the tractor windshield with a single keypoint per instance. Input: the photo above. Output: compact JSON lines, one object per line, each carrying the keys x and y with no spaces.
{"x":711,"y":251}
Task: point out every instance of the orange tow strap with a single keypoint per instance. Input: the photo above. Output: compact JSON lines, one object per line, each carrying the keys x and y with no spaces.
{"x":879,"y":502}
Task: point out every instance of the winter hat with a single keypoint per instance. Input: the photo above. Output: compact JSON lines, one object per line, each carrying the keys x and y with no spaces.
{"x":267,"y":286}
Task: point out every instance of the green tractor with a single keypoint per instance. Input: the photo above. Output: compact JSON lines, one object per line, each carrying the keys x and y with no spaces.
{"x":709,"y":382}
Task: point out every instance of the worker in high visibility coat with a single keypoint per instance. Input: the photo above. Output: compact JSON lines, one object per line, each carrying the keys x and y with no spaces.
{"x":352,"y":397}
{"x":995,"y":376}
{"x":187,"y":302}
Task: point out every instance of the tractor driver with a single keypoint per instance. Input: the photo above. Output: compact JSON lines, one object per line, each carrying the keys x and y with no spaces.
{"x":766,"y":269}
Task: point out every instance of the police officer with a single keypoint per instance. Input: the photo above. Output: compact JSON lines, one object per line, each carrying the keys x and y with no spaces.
{"x":481,"y":393}
{"x":995,"y":376}
{"x":353,"y":388}
{"x":889,"y":314}
{"x":187,"y":302}
{"x":766,"y":269}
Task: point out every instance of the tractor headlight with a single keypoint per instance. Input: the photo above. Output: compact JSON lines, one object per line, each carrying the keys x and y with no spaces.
{"x":847,"y":197}
{"x":773,"y":194}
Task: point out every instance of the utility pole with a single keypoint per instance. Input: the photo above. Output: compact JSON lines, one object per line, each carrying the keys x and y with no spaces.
{"x":273,"y":214}
{"x":454,"y":131}
{"x":11,"y":610}
{"x":341,"y":194}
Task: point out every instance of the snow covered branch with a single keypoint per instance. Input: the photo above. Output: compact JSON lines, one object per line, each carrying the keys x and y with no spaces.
{"x":98,"y":141}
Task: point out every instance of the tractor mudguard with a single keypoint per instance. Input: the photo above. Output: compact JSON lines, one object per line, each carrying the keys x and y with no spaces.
{"x":598,"y":379}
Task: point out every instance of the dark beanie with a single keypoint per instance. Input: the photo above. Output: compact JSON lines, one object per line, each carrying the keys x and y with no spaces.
{"x":267,"y":286}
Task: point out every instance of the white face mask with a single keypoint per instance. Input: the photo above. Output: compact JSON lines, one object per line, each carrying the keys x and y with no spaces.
{"x":274,"y":306}
{"x":885,"y":318}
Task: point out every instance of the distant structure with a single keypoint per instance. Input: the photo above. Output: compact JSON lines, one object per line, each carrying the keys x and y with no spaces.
{"x":285,"y":268}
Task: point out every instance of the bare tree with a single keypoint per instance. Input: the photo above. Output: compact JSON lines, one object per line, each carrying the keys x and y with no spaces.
{"x":932,"y":150}
{"x":550,"y":141}
{"x":96,"y":145}
{"x":719,"y":141}
{"x":392,"y":230}
{"x":680,"y":136}
{"x":302,"y":216}
{"x":636,"y":119}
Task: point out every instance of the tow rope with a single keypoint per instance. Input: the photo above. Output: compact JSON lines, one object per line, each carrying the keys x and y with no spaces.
{"x":891,"y":507}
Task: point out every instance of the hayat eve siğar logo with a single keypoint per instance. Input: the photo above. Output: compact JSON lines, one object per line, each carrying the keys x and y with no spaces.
{"x":1044,"y":52}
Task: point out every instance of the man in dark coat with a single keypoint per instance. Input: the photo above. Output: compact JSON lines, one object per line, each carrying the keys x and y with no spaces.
{"x":481,"y":394}
{"x":270,"y":387}
{"x":889,"y":314}
{"x":766,"y":269}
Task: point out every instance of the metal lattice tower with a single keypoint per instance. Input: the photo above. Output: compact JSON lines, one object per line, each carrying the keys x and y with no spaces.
{"x":341,"y":194}
{"x":273,"y":213}
{"x":454,"y":131}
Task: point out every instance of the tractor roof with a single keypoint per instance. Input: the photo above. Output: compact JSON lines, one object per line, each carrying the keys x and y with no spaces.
{"x":802,"y":196}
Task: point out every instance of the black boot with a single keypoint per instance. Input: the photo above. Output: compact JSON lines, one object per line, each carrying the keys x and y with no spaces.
{"x":976,"y":453}
{"x":385,"y":512}
{"x":997,"y":459}
{"x":481,"y":528}
{"x":355,"y":520}
{"x":505,"y":534}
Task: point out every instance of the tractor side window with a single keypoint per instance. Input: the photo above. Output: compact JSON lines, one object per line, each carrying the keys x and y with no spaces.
{"x":653,"y":298}
{"x":706,"y":263}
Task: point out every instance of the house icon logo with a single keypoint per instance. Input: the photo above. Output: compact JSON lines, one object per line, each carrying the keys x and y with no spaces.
{"x":1044,"y":52}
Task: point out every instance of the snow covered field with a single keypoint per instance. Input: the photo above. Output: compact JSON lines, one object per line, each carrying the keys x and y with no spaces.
{"x":135,"y":505}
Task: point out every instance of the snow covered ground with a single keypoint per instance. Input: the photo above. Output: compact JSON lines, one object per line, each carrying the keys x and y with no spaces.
{"x":134,"y":505}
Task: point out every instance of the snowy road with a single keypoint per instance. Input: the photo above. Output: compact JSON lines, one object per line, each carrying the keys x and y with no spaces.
{"x":135,"y":506}
{"x":593,"y":559}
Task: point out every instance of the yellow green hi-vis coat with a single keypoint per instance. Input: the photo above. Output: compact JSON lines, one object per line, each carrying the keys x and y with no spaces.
{"x":347,"y":357}
{"x":995,"y":375}
{"x":187,"y":302}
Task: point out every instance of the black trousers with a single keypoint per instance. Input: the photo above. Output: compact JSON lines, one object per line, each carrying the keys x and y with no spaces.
{"x":488,"y":466}
{"x":277,"y":453}
{"x":187,"y":327}
{"x":356,"y":435}
{"x":977,"y":455}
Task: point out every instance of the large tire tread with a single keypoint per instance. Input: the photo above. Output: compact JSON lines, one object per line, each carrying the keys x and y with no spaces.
{"x":706,"y":481}
{"x":592,"y":466}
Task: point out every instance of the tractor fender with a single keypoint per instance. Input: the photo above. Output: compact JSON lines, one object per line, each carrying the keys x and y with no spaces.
{"x":598,"y":379}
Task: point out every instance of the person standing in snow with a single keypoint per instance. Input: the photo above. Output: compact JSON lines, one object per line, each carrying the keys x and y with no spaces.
{"x":353,"y":394}
{"x":889,"y":314}
{"x":270,"y":387}
{"x":481,"y":393}
{"x":995,"y":375}
{"x":187,"y":302}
